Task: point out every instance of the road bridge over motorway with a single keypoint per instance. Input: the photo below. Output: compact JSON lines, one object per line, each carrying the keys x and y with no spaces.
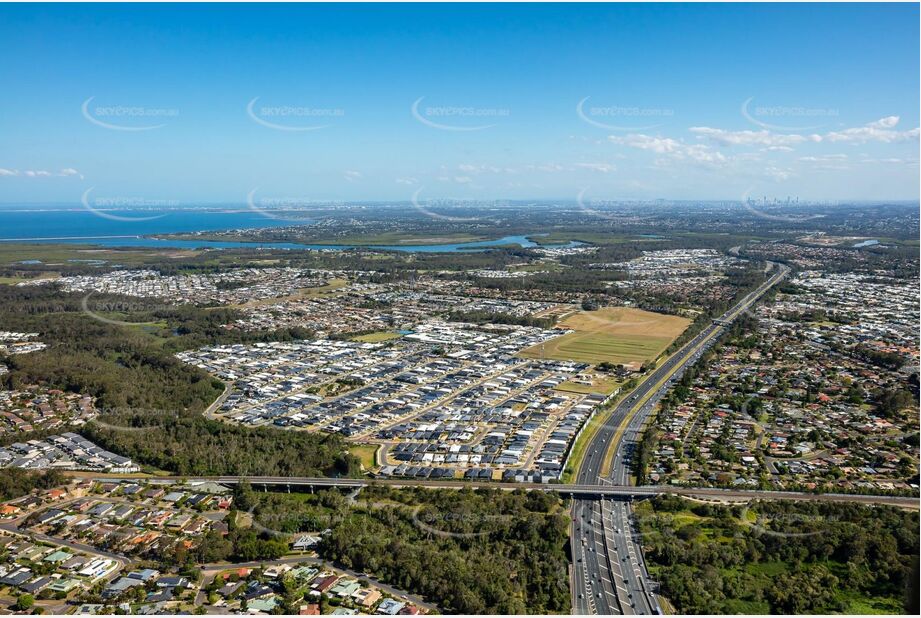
{"x":579,"y":491}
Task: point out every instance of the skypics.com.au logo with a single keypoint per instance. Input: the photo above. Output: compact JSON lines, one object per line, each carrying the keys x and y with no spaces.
{"x":95,"y":309}
{"x":622,"y":117}
{"x":292,"y":118}
{"x":127,"y":117}
{"x":776,"y":117}
{"x":457,"y":117}
{"x":106,"y":207}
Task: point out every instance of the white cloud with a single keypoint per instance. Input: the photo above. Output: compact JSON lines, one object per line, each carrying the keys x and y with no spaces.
{"x":603,"y":168}
{"x":778,"y":174}
{"x":407,"y":181}
{"x":672,"y":148}
{"x":66,"y":172}
{"x":885,"y":123}
{"x":829,"y":162}
{"x":659,"y":145}
{"x":482,"y":169}
{"x":460,"y":180}
{"x":890,"y":161}
{"x":351,"y":175}
{"x":469,"y":169}
{"x":824,"y":158}
{"x":703,"y":154}
{"x":878,"y":131}
{"x":881,"y":130}
{"x":752,"y":138}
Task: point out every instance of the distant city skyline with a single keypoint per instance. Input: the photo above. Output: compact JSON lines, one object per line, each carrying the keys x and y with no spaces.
{"x":216,"y":103}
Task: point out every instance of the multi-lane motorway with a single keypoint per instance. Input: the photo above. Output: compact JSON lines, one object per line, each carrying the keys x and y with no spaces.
{"x":609,"y":575}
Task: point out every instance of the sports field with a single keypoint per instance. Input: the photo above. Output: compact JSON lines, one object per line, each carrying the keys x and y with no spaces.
{"x":618,"y":335}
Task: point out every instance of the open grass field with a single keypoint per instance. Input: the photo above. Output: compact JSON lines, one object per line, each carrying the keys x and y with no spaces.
{"x":627,"y":321}
{"x":600,"y":347}
{"x":325,"y":290}
{"x":50,"y":254}
{"x":594,"y":238}
{"x":377,"y":337}
{"x":359,"y":239}
{"x":367,"y":453}
{"x":402,"y":238}
{"x":619,"y":335}
{"x":535,"y":267}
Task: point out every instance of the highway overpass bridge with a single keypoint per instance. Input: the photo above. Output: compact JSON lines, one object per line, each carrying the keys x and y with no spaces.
{"x":582,"y":491}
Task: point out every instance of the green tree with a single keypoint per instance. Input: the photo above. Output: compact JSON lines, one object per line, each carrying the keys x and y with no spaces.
{"x":24,"y":602}
{"x":243,"y":496}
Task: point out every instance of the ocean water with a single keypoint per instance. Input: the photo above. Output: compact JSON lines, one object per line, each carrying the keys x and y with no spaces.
{"x":80,"y":225}
{"x":129,"y":228}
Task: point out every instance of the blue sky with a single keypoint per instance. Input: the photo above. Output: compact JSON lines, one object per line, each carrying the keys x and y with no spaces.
{"x":208,"y":103}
